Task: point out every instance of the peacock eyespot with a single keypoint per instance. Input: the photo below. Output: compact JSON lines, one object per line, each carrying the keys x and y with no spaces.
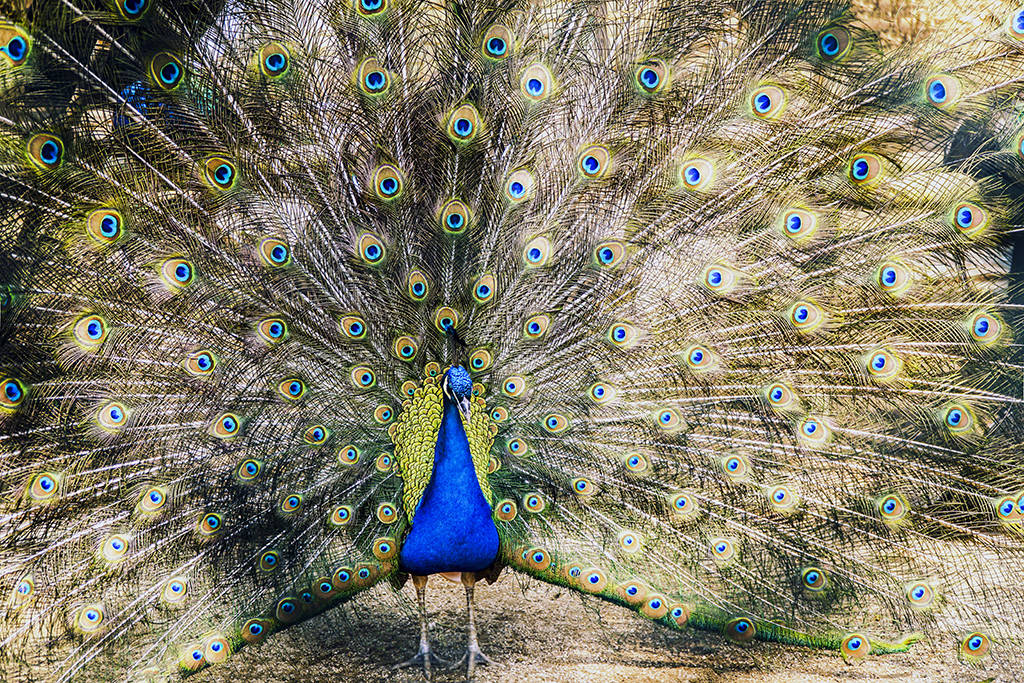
{"x":112,"y":416}
{"x":622,"y":335}
{"x":636,"y":463}
{"x":371,"y":249}
{"x":90,"y":332}
{"x":210,"y":524}
{"x":290,"y":504}
{"x":348,"y":455}
{"x":798,"y":225}
{"x":806,"y":316}
{"x":152,"y":499}
{"x":942,"y":91}
{"x":864,"y":168}
{"x":594,"y":161}
{"x":651,"y":77}
{"x":387,"y":182}
{"x":454,"y":217}
{"x":480,"y":360}
{"x":697,"y":174}
{"x":958,"y":419}
{"x":722,"y":549}
{"x":418,"y":286}
{"x":464,"y":123}
{"x":536,"y":82}
{"x":15,"y":44}
{"x":882,"y":364}
{"x":855,"y":646}
{"x":893,"y":508}
{"x":833,"y":44}
{"x":484,"y":289}
{"x":370,"y":8}
{"x":46,"y":151}
{"x":44,"y":487}
{"x":533,"y":502}
{"x":496,"y":44}
{"x":734,"y":467}
{"x":767,"y":102}
{"x":104,"y":226}
{"x":316,"y":435}
{"x":683,"y":504}
{"x":985,"y":328}
{"x":372,"y":78}
{"x":405,"y":348}
{"x":1015,"y":24}
{"x":813,"y":579}
{"x":975,"y":646}
{"x":166,"y":71}
{"x":920,"y":594}
{"x":519,"y":186}
{"x":969,"y":219}
{"x":602,"y":393}
{"x":740,"y":630}
{"x":506,"y":510}
{"x":274,"y":60}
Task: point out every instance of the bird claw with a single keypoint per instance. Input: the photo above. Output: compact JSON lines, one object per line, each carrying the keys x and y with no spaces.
{"x":425,"y":658}
{"x":478,"y":658}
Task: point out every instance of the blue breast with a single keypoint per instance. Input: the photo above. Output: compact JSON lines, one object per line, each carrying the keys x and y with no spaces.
{"x":452,"y":529}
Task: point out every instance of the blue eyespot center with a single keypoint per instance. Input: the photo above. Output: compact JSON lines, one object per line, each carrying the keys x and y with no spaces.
{"x":463,"y":126}
{"x":517,"y":189}
{"x":223,"y":174}
{"x":829,"y":44}
{"x":16,"y":48}
{"x":964,"y":217}
{"x":535,"y":87}
{"x":388,"y":186}
{"x":49,"y":152}
{"x":649,"y":78}
{"x":937,"y":92}
{"x":692,"y":175}
{"x":793,"y":223}
{"x":169,"y":72}
{"x":860,"y":169}
{"x":591,"y":164}
{"x":762,"y":103}
{"x":496,"y":46}
{"x":454,"y":220}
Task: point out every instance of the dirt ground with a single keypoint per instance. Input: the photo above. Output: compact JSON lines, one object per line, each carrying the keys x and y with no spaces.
{"x":541,"y":633}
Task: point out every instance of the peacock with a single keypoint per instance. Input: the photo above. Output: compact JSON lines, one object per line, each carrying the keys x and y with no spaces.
{"x":704,"y":309}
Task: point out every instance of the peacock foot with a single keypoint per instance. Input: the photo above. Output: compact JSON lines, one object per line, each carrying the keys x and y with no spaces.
{"x":425,"y":658}
{"x":478,"y":658}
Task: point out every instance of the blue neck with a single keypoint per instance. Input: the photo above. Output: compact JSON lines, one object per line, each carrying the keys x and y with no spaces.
{"x":452,"y":529}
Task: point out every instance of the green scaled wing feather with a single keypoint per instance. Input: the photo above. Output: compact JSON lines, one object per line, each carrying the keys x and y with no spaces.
{"x":736,"y":289}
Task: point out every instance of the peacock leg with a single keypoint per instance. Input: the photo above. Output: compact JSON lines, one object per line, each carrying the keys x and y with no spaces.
{"x":425,"y":657}
{"x":473,"y":654}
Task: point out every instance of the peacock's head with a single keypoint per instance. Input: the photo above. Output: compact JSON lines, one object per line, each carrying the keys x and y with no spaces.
{"x":458,"y":388}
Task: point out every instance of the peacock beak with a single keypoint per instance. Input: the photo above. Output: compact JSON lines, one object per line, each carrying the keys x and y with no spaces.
{"x":463,"y":404}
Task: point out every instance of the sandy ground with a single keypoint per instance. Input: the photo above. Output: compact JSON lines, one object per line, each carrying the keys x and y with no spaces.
{"x":542,"y":633}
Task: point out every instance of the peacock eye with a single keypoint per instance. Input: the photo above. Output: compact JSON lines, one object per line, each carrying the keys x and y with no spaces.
{"x":855,"y":646}
{"x":316,"y":435}
{"x":555,"y":423}
{"x":112,"y":417}
{"x":370,"y":8}
{"x":798,"y":225}
{"x":833,"y":44}
{"x":291,"y":503}
{"x":225,"y":426}
{"x":513,"y":386}
{"x":373,"y":80}
{"x":864,"y":168}
{"x":734,"y":467}
{"x":767,"y":102}
{"x":454,"y":217}
{"x":497,"y":43}
{"x":813,"y":579}
{"x":958,"y":418}
{"x":166,"y":71}
{"x":882,"y":364}
{"x":806,"y":316}
{"x":942,"y":91}
{"x":480,"y":360}
{"x":341,"y":515}
{"x":536,"y":82}
{"x":104,"y":226}
{"x":683,"y":504}
{"x":970,"y":219}
{"x":272,"y":330}
{"x":274,"y":60}
{"x":464,"y":123}
{"x":274,"y":252}
{"x":177,"y":273}
{"x":622,"y":335}
{"x":537,"y":252}
{"x":651,"y":77}
{"x":697,"y":174}
{"x":519,"y":186}
{"x":484,"y":289}
{"x":536,"y":326}
{"x":594,"y":162}
{"x":363,"y":377}
{"x":349,"y":455}
{"x":387,"y":184}
{"x":985,"y":328}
